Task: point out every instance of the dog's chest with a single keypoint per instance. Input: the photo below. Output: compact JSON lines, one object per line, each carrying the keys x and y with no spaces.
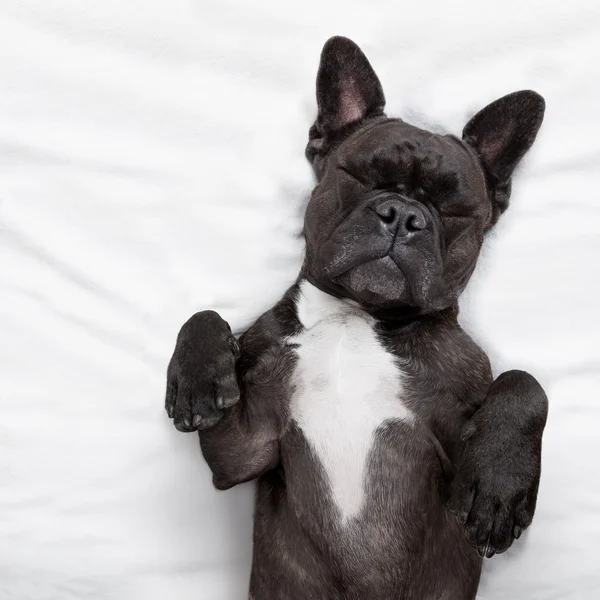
{"x":346,"y":386}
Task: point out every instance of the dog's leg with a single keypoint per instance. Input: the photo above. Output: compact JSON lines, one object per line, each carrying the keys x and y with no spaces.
{"x":496,"y":485}
{"x":239,"y":436}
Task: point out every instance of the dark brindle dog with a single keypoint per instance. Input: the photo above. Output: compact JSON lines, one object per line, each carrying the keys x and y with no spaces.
{"x":388,"y":462}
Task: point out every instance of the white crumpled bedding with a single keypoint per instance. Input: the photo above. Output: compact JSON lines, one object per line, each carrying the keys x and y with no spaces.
{"x":151,"y":165}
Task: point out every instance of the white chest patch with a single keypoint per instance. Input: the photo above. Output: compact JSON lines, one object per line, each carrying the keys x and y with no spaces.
{"x":346,"y":386}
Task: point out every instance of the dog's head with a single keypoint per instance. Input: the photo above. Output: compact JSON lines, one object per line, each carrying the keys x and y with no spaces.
{"x":398,"y":216}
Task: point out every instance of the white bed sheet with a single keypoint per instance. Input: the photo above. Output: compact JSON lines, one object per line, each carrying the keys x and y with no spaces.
{"x":151,"y":165}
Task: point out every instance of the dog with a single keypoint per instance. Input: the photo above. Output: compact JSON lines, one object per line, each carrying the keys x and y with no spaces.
{"x":389,"y":463}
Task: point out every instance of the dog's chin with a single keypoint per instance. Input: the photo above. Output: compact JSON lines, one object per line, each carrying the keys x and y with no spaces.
{"x":378,"y":284}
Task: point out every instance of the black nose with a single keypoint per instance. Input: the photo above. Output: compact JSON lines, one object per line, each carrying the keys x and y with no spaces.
{"x":401,"y":216}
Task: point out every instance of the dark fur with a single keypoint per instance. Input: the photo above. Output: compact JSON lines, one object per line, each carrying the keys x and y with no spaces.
{"x":395,"y":223}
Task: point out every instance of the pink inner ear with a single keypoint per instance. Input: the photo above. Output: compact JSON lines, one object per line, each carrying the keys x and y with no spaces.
{"x":492,"y":148}
{"x":352,"y":103}
{"x":495,"y":143}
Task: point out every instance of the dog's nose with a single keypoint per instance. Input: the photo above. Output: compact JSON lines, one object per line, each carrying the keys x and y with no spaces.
{"x":401,"y":217}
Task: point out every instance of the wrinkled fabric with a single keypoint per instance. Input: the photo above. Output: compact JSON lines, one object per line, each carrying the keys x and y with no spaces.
{"x":151,"y":165}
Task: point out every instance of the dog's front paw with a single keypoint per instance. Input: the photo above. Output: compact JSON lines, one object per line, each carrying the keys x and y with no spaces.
{"x":201,"y":378}
{"x":495,"y":489}
{"x":493,"y":513}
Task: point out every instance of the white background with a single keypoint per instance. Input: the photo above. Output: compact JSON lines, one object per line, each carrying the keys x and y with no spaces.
{"x":151,"y":165}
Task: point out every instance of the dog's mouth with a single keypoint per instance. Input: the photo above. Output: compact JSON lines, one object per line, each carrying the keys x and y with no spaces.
{"x":380,"y":272}
{"x":384,"y":283}
{"x":377,"y":282}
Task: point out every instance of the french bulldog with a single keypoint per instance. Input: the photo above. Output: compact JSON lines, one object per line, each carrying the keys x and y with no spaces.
{"x":389,"y":462}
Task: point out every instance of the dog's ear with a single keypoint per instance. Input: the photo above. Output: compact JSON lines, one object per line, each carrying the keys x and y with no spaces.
{"x":348,"y":91}
{"x":502,"y":133}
